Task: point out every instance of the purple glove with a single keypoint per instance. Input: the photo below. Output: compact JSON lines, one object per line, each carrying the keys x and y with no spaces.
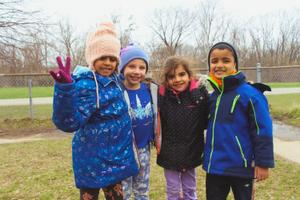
{"x":62,"y":73}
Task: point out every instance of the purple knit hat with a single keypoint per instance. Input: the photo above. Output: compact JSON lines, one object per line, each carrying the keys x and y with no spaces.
{"x":130,"y":53}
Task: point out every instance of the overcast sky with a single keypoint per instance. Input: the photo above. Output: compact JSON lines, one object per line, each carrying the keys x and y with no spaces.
{"x":86,"y":13}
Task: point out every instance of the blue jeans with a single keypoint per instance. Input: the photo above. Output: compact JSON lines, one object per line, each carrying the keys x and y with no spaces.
{"x":181,"y":184}
{"x":139,"y":185}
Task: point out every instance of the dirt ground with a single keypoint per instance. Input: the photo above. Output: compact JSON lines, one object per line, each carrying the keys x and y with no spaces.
{"x":30,"y":135}
{"x":26,"y":128}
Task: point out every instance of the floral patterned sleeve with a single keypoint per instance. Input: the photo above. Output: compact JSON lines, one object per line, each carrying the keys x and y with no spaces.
{"x":73,"y":104}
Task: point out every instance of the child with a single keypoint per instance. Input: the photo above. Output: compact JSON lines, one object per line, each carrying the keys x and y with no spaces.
{"x":91,"y":102}
{"x":183,"y":116}
{"x":142,"y":102}
{"x":239,"y":144}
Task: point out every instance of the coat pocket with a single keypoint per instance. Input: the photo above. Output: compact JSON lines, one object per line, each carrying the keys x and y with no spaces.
{"x":234,"y":103}
{"x":241,"y":152}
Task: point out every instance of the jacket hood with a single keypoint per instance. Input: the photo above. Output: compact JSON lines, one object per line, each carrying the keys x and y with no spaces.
{"x":82,"y":72}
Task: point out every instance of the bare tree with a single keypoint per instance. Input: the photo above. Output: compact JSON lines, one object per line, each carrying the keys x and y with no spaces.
{"x":70,"y":43}
{"x":212,"y":25}
{"x":16,"y":24}
{"x":125,"y":29}
{"x":275,"y":39}
{"x":18,"y":30}
{"x":172,"y":26}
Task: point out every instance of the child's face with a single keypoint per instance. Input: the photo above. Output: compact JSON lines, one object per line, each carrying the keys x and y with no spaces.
{"x":179,"y":80}
{"x":222,"y":63}
{"x":134,"y":73}
{"x":105,"y":65}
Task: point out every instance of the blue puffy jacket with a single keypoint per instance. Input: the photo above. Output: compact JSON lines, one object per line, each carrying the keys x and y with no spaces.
{"x":102,"y":148}
{"x":239,"y":133}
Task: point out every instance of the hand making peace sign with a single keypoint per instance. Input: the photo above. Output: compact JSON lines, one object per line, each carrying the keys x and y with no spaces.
{"x":62,"y":73}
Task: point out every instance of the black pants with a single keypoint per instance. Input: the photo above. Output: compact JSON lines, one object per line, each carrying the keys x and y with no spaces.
{"x":218,"y":187}
{"x":111,"y":192}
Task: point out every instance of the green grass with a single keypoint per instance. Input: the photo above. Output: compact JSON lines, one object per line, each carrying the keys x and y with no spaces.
{"x":286,"y":108}
{"x":23,"y":92}
{"x":43,"y":170}
{"x":20,"y":112}
{"x":16,"y":120}
{"x":284,"y":85}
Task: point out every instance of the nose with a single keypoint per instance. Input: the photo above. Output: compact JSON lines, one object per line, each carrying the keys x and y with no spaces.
{"x":176,"y":78}
{"x":219,"y":65}
{"x":106,"y":60}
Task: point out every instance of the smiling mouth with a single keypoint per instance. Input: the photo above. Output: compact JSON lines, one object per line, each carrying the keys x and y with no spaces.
{"x":178,"y":85}
{"x":135,"y":78}
{"x":107,"y":69}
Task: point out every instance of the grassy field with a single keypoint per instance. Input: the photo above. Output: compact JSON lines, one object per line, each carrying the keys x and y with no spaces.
{"x":284,"y":85}
{"x":23,"y":92}
{"x":285,"y":108}
{"x":20,"y":112}
{"x":42,"y":170}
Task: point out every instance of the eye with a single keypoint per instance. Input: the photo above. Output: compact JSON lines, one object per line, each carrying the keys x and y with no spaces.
{"x":213,"y":61}
{"x":170,"y":76}
{"x":181,"y":74}
{"x":131,"y":66}
{"x":112,"y":59}
{"x":226,"y":60}
{"x":142,"y":67}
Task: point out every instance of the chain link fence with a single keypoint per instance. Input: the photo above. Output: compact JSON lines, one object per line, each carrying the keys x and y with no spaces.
{"x":22,"y":80}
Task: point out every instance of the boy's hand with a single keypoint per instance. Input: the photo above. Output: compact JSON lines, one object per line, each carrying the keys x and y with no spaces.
{"x":62,"y":73}
{"x":261,"y":173}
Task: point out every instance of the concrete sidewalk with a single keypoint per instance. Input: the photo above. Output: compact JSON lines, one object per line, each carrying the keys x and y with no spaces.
{"x":287,"y":149}
{"x":283,"y":91}
{"x":25,"y":101}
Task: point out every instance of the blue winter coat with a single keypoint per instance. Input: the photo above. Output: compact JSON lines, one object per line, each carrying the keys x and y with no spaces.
{"x":102,"y":148}
{"x":239,"y":133}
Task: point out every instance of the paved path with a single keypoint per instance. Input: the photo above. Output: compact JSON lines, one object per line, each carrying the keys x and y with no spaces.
{"x":25,"y":101}
{"x":288,"y":149}
{"x":283,"y":91}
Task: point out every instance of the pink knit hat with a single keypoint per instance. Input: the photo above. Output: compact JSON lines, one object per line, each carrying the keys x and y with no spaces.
{"x":102,"y":42}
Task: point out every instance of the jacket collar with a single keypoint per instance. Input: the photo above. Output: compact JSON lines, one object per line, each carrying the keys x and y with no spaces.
{"x":230,"y":82}
{"x":85,"y":72}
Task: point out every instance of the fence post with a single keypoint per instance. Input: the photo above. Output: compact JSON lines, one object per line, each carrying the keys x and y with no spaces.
{"x":258,"y":73}
{"x":30,"y":98}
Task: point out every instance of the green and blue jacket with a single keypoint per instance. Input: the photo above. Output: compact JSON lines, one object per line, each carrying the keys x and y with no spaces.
{"x":239,"y":132}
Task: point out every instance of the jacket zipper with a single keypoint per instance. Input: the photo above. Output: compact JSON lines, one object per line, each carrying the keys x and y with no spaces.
{"x":241,"y":151}
{"x":214,"y":123}
{"x":236,"y":98}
